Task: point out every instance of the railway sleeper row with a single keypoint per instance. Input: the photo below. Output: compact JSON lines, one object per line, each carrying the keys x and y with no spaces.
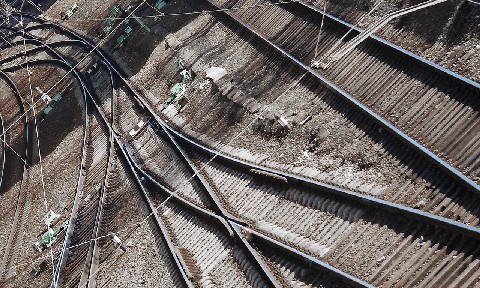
{"x":448,"y":197}
{"x":436,"y":109}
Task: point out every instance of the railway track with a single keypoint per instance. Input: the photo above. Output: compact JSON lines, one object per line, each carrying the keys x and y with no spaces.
{"x":15,"y":242}
{"x":95,"y":207}
{"x":127,"y":121}
{"x":3,"y":148}
{"x":255,"y":212}
{"x":393,"y":270}
{"x":445,"y":196}
{"x":321,"y":235}
{"x":449,"y":252}
{"x":419,"y":45}
{"x":97,"y":159}
{"x":422,"y":185}
{"x":98,"y":216}
{"x":448,"y":198}
{"x":82,"y":267}
{"x":87,"y":161}
{"x":99,"y":224}
{"x":175,"y":161}
{"x":434,"y":106}
{"x":202,"y":269}
{"x":13,"y":107}
{"x":206,"y":249}
{"x":29,"y":207}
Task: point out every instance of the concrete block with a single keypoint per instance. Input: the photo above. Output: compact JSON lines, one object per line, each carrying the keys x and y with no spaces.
{"x":172,"y":41}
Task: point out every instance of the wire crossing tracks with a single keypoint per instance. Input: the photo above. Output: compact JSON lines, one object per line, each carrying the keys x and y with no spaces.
{"x":226,"y":221}
{"x":432,"y":107}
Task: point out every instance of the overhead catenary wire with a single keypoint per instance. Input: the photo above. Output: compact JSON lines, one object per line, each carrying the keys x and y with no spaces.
{"x":216,"y":154}
{"x":196,"y":12}
{"x":54,"y":279}
{"x":15,"y":152}
{"x":204,"y":166}
{"x":37,"y":134}
{"x":32,"y":107}
{"x":2,"y":134}
{"x":339,"y":41}
{"x":71,"y":70}
{"x":131,"y":227}
{"x":124,"y":19}
{"x":320,"y":30}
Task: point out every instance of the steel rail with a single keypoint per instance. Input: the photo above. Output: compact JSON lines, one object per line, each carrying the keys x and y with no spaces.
{"x":131,"y":164}
{"x":410,"y":142}
{"x":443,"y":165}
{"x":139,"y":183}
{"x":359,"y":38}
{"x":399,"y":49}
{"x":224,"y":214}
{"x":94,"y":251}
{"x":93,"y":254}
{"x":90,"y":263}
{"x":82,"y":171}
{"x":349,"y":279}
{"x":81,"y":177}
{"x":360,"y":283}
{"x":78,"y":193}
{"x":448,"y":224}
{"x":372,"y":201}
{"x":29,"y":52}
{"x":158,"y":221}
{"x":195,"y":171}
{"x":233,"y":224}
{"x":89,"y":97}
{"x":85,"y":91}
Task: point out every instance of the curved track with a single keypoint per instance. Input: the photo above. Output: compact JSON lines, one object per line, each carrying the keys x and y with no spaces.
{"x":349,"y":229}
{"x":339,"y":273}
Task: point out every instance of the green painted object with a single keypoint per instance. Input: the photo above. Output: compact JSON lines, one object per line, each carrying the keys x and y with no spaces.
{"x":178,"y":89}
{"x":160,"y":4}
{"x":120,"y":40}
{"x":141,"y":23}
{"x":71,"y":11}
{"x":115,"y":10}
{"x":49,"y":238}
{"x":57,"y":97}
{"x":105,"y":31}
{"x":114,"y":13}
{"x":185,"y":76}
{"x":48,"y":110}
